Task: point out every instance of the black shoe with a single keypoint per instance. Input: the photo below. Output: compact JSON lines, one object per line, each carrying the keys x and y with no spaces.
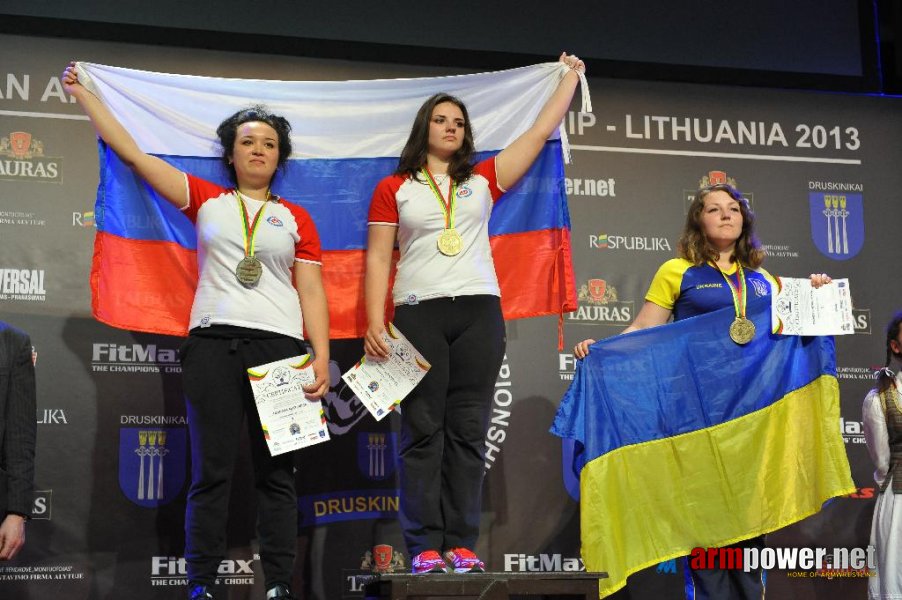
{"x":199,"y":592}
{"x":279,"y":592}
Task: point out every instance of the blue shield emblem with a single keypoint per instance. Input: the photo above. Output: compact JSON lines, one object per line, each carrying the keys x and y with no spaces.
{"x":152,"y":464}
{"x":837,"y":224}
{"x":377,"y":454}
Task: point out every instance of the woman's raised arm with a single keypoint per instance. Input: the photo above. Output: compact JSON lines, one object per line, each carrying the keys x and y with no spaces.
{"x":513,"y":162}
{"x":165,"y":179}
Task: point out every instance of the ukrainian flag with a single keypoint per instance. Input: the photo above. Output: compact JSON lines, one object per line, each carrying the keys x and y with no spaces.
{"x":685,"y":439}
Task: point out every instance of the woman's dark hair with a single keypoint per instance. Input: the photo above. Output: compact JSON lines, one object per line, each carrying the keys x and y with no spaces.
{"x":413,"y":157}
{"x":228,"y":131}
{"x":694,"y":245}
{"x":884,"y":376}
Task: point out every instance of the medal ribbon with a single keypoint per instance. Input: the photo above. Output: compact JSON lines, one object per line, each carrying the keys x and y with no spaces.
{"x":448,"y":206}
{"x":249,"y":230}
{"x":740,"y":296}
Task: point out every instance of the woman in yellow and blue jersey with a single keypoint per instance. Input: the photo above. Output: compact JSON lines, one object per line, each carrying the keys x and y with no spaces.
{"x":719,"y":265}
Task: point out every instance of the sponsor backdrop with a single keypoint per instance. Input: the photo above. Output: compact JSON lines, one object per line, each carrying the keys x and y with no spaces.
{"x":821,"y":171}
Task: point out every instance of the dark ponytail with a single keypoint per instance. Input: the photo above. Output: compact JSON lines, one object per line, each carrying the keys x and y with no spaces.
{"x":885,"y":377}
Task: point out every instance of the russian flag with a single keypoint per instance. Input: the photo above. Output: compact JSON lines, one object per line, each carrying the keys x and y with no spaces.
{"x":346,"y":136}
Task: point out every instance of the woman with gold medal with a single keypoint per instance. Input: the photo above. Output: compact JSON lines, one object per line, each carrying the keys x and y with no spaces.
{"x":447,"y":302}
{"x":259,"y":264}
{"x":719,"y":265}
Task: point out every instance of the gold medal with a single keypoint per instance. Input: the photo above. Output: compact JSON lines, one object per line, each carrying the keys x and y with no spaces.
{"x":249,"y":271}
{"x":742,"y":331}
{"x":450,"y":242}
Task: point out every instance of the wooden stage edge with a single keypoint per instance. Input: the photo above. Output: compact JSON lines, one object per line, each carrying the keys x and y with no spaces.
{"x":481,"y":586}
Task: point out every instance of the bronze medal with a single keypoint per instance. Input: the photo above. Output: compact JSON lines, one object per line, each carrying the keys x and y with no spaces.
{"x":742,"y":331}
{"x":450,"y":242}
{"x":249,"y":271}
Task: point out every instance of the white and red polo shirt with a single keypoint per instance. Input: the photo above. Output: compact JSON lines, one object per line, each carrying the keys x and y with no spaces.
{"x":285,"y":234}
{"x":423,"y":272}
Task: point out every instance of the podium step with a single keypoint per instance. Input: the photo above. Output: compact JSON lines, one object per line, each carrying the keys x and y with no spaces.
{"x":482,"y":586}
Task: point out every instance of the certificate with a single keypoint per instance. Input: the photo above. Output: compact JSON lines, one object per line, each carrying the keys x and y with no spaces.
{"x":290,"y":421}
{"x":380,"y":385}
{"x":799,"y":309}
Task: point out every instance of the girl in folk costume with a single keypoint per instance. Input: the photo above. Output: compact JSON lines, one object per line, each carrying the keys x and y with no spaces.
{"x":882,"y":416}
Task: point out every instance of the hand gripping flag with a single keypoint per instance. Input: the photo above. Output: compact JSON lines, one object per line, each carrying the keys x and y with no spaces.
{"x":684,"y":439}
{"x":346,"y":135}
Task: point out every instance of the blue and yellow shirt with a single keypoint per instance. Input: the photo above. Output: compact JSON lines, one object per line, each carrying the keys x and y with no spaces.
{"x":689,"y":290}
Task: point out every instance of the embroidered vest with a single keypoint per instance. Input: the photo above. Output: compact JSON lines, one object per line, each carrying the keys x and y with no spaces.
{"x":889,"y":400}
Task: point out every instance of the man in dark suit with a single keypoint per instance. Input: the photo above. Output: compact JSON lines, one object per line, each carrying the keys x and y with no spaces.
{"x":17,"y":438}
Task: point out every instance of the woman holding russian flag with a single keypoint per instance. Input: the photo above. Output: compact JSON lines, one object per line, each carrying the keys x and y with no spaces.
{"x":436,"y":206}
{"x":259,"y":285}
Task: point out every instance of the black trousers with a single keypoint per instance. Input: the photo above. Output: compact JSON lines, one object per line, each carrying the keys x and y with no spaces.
{"x":214,"y":371}
{"x":726,"y":584}
{"x":444,"y":419}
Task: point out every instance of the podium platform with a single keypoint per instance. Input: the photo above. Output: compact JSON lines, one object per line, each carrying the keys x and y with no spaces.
{"x":483,"y":586}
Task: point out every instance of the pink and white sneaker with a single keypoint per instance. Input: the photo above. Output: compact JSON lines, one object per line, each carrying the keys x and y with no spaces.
{"x":463,"y":560}
{"x":428,"y":561}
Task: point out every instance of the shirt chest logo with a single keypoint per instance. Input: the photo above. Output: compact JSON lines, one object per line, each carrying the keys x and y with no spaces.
{"x":464,"y":191}
{"x":760,"y":287}
{"x":274,"y":221}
